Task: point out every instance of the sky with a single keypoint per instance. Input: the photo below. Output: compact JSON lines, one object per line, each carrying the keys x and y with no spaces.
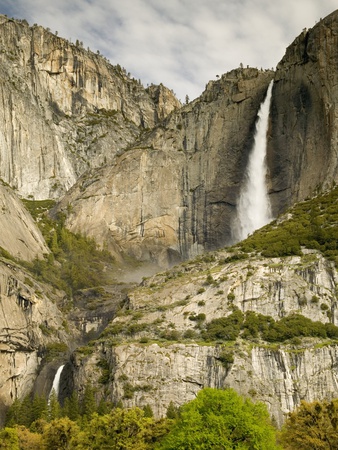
{"x":180,"y":43}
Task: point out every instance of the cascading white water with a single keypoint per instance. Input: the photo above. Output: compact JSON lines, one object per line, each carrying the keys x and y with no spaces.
{"x":253,"y":210}
{"x":56,"y":382}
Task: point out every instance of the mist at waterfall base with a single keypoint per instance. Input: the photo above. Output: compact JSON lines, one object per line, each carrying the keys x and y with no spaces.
{"x":56,"y":382}
{"x":253,"y":209}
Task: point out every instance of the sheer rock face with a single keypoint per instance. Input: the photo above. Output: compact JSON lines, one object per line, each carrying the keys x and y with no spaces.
{"x":19,"y":234}
{"x":25,"y":314}
{"x":280,"y":375}
{"x":173,"y":195}
{"x":63,"y":110}
{"x":303,"y":138}
{"x":205,"y":147}
{"x":281,"y":378}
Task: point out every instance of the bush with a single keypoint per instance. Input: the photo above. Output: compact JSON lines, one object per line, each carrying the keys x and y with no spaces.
{"x":224,"y":328}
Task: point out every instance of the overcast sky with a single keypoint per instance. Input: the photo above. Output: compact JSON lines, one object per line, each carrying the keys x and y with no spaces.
{"x":180,"y":43}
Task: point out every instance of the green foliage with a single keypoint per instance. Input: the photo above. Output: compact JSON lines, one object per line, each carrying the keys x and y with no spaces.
{"x":128,"y":390}
{"x":313,"y":224}
{"x":54,"y":350}
{"x":103,"y":364}
{"x":54,"y":408}
{"x":224,"y":328}
{"x":148,"y":412}
{"x":58,"y":434}
{"x":254,"y":325}
{"x":26,"y":411}
{"x":197,"y":317}
{"x":311,"y":426}
{"x":88,"y":404}
{"x":219,"y":419}
{"x":295,"y":325}
{"x":75,"y":261}
{"x":121,"y":429}
{"x":172,"y":411}
{"x":71,"y":408}
{"x":213,"y":420}
{"x":226,"y":357}
{"x":9,"y":439}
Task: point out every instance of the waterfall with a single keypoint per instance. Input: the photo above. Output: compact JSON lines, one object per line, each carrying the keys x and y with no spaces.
{"x":253,"y":210}
{"x":56,"y":382}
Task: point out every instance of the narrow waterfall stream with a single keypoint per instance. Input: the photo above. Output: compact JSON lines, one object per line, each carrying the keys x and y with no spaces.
{"x":253,"y":210}
{"x":56,"y":382}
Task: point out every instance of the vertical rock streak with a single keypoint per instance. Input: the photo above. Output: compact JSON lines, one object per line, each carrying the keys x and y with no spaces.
{"x":253,"y":209}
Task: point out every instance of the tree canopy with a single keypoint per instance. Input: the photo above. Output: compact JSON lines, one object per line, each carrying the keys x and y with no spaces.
{"x":221,"y":419}
{"x":312,"y":426}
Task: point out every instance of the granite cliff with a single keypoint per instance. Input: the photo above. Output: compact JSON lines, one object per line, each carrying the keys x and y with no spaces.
{"x":148,"y":366}
{"x":305,"y":101}
{"x":154,"y":180}
{"x":64,"y":110}
{"x":33,"y":331}
{"x":180,"y":182}
{"x":184,"y":176}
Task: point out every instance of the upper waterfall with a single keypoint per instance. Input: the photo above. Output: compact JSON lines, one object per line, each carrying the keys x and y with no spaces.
{"x":253,"y":209}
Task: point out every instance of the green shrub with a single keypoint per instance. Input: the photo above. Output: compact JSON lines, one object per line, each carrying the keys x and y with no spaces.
{"x":312,"y":224}
{"x":226,"y":357}
{"x":75,"y":261}
{"x":224,"y":328}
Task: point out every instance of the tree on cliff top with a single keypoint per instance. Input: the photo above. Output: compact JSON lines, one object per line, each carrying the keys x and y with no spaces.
{"x":221,"y":419}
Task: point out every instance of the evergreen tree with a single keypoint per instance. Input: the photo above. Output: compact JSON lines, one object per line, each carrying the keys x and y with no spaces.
{"x":148,"y":412}
{"x":71,"y":407}
{"x":54,"y":408}
{"x":88,"y":406}
{"x":39,"y":408}
{"x":172,"y":411}
{"x":13,"y":414}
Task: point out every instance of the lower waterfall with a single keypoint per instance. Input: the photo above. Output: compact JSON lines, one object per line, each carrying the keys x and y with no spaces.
{"x":56,"y":382}
{"x":253,"y":209}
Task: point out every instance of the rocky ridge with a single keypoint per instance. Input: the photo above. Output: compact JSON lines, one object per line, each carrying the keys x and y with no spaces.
{"x":147,"y":366}
{"x":64,"y":109}
{"x":180,"y":181}
{"x":31,"y":328}
{"x":94,"y":131}
{"x":19,"y":234}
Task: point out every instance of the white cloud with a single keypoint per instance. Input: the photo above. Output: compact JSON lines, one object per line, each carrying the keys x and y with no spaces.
{"x":181,"y":43}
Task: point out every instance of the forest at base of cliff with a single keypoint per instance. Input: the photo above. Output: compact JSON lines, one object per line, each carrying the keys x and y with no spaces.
{"x":216,"y":419}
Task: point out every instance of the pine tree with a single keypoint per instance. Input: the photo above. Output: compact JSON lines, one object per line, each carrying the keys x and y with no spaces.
{"x":71,"y":407}
{"x":88,"y":406}
{"x":54,"y":408}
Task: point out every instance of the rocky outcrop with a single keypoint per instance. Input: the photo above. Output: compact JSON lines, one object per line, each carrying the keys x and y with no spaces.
{"x":64,"y":109}
{"x":180,"y":183}
{"x":147,"y":367}
{"x":30,"y":326}
{"x":274,"y":287}
{"x":19,"y":234}
{"x":303,"y":136}
{"x":160,"y":182}
{"x":157,"y":375}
